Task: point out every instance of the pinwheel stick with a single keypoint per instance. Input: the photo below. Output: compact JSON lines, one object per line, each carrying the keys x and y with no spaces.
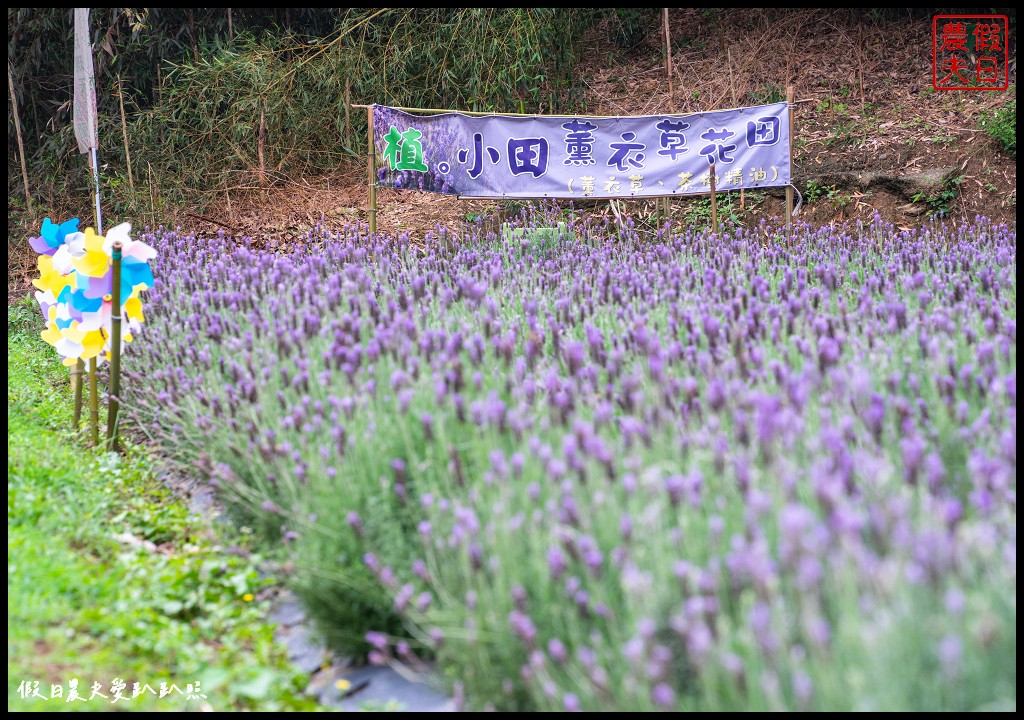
{"x":94,"y":405}
{"x":115,"y":350}
{"x":76,"y":376}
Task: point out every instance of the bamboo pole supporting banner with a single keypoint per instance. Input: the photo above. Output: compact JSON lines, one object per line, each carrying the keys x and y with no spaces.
{"x":77,"y":376}
{"x":371,"y":170}
{"x":113,"y":404}
{"x":714,"y":200}
{"x":481,"y":113}
{"x":94,"y":405}
{"x":790,"y":97}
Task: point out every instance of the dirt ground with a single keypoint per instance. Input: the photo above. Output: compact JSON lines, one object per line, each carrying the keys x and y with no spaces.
{"x":871,"y":134}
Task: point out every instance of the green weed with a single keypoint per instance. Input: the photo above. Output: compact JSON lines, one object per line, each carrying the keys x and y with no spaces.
{"x":698,"y":212}
{"x":941,"y":202}
{"x":1001,"y":125}
{"x":109,"y":577}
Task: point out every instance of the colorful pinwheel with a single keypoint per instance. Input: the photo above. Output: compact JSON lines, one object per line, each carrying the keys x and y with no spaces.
{"x":52,"y":236}
{"x":75,"y":287}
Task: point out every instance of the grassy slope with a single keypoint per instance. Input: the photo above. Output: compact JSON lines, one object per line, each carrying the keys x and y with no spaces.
{"x":84,"y":605}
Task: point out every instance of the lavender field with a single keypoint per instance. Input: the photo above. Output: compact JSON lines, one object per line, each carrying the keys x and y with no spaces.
{"x":581,"y":468}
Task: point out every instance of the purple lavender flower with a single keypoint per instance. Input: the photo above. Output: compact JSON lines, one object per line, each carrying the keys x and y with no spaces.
{"x":523,"y":628}
{"x":556,"y":562}
{"x":377,"y":640}
{"x":557,"y":651}
{"x":571,"y":703}
{"x":663,"y":696}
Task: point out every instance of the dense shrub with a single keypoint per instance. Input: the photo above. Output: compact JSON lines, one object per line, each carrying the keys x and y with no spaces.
{"x":195,"y":94}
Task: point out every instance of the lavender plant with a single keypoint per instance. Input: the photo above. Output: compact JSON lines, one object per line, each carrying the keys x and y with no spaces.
{"x":693,"y":471}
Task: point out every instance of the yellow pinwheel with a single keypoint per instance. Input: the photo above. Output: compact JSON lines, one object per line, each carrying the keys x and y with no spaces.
{"x":52,"y":333}
{"x":94,"y":262}
{"x":50,"y":279}
{"x":69,"y":346}
{"x":92,"y":344}
{"x":133,"y":308}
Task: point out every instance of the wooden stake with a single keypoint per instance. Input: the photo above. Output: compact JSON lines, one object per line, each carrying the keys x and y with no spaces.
{"x":76,"y":375}
{"x":114,"y":402}
{"x":152,"y":199}
{"x":371,"y":170}
{"x":860,"y":64}
{"x":231,"y":31}
{"x":714,"y":201}
{"x":195,"y":42}
{"x":94,"y":405}
{"x":259,"y":149}
{"x":790,"y":97}
{"x":17,"y":131}
{"x":124,"y":134}
{"x":348,"y":108}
